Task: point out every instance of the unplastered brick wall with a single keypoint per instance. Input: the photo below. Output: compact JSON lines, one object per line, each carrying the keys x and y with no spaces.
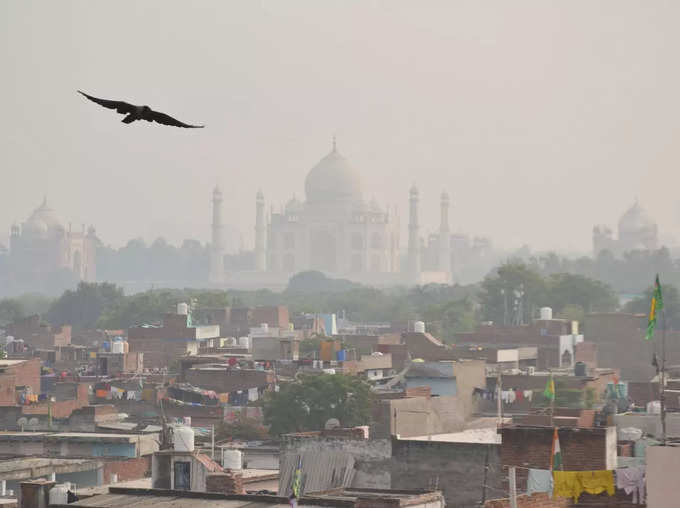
{"x":530,"y":447}
{"x":536,"y":500}
{"x":229,"y":482}
{"x":130,"y":469}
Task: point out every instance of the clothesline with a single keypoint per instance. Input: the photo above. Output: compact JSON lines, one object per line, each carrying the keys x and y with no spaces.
{"x":571,"y":484}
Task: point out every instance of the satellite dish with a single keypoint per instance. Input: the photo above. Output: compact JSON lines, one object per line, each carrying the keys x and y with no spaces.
{"x":22,"y":421}
{"x":33,"y":422}
{"x":332,"y":423}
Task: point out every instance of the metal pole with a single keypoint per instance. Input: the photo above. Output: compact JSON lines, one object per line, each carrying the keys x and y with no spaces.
{"x":212,"y":445}
{"x":513,"y":487}
{"x":662,"y":388}
{"x":499,"y":402}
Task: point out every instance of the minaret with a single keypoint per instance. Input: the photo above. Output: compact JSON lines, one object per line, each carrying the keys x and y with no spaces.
{"x":413,"y":237}
{"x":217,"y":246}
{"x":445,"y":237}
{"x":260,"y":231}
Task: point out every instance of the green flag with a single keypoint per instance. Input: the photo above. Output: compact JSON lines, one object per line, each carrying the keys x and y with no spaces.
{"x":549,"y":392}
{"x":656,"y":304}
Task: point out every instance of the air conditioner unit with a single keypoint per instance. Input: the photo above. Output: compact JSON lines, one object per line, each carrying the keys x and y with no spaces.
{"x":531,"y":370}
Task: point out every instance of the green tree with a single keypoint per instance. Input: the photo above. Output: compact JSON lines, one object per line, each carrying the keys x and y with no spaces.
{"x":446,"y":319}
{"x":565,"y":289}
{"x":308,"y":403}
{"x":11,"y":310}
{"x":513,"y":291}
{"x":246,"y":429}
{"x":83,"y":307}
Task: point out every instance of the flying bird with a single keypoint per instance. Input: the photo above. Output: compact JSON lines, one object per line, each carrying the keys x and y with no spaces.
{"x":140,"y":113}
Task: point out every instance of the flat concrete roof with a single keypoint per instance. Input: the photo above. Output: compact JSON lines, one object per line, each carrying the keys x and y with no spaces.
{"x":187,"y":499}
{"x":481,"y":436}
{"x":23,"y":468}
{"x":9,"y":363}
{"x":76,"y":436}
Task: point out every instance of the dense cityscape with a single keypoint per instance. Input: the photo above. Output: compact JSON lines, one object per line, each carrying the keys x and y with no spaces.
{"x":415,"y":311}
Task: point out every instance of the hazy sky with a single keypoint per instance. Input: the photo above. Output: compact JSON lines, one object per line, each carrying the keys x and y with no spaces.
{"x":540,"y":118}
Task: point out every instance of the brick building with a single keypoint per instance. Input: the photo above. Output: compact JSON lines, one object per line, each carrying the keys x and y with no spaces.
{"x":223,"y":379}
{"x":583,"y":449}
{"x":162,"y":345}
{"x":39,"y":335}
{"x":620,"y":341}
{"x":237,"y":321}
{"x":18,"y":373}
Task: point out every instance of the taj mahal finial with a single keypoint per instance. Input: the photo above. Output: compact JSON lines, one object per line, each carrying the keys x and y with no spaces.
{"x":334,"y":143}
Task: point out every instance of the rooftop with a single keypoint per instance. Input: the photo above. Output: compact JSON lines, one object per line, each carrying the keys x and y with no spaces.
{"x":23,"y":468}
{"x":10,"y":363}
{"x":135,"y":497}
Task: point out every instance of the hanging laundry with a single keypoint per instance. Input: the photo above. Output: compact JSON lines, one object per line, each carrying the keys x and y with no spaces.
{"x":252,"y":394}
{"x":519,"y":395}
{"x":632,"y":480}
{"x":528,"y":394}
{"x":574,"y":483}
{"x":540,"y":480}
{"x":596,"y":482}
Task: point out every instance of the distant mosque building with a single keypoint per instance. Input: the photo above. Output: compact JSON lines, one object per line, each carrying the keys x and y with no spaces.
{"x":41,"y":245}
{"x":336,"y":231}
{"x":636,"y":231}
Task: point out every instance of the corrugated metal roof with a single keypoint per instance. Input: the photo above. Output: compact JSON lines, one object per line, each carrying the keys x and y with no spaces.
{"x":320,"y":471}
{"x":147,"y":501}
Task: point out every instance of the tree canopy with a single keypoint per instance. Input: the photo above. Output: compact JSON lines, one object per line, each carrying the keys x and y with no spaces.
{"x":308,"y":403}
{"x":515,"y":291}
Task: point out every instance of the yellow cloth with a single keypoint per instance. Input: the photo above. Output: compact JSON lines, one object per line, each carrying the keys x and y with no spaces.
{"x":574,"y":483}
{"x":596,"y":482}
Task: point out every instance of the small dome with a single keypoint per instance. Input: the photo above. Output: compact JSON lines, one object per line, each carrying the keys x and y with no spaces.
{"x":332,"y":180}
{"x":635,"y":219}
{"x":294,"y":205}
{"x":42,"y":220}
{"x":414,"y":190}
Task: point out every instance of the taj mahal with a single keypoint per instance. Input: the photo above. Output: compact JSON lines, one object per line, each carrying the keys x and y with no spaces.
{"x":336,"y":231}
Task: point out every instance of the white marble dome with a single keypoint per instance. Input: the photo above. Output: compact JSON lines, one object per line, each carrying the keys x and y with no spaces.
{"x":332,"y":180}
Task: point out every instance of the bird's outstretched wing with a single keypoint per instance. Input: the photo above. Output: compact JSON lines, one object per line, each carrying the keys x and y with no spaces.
{"x":157,"y":116}
{"x":121,"y":107}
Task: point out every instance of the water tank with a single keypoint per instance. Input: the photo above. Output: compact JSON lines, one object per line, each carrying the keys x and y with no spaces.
{"x":546,"y":313}
{"x":117,"y":348}
{"x":182,"y":309}
{"x":126,"y":347}
{"x":232,"y":459}
{"x":580,"y":369}
{"x":58,"y":495}
{"x":183,"y":439}
{"x":243,"y":341}
{"x":419,"y":327}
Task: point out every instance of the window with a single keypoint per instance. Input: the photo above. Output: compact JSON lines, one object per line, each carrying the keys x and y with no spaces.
{"x":357,"y":265}
{"x":288,"y":263}
{"x":376,"y":241}
{"x":357,"y":241}
{"x":289,"y":240}
{"x":375,"y":263}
